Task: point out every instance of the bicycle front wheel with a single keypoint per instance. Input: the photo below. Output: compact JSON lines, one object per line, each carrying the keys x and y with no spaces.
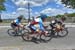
{"x":47,"y":37}
{"x":63,"y":33}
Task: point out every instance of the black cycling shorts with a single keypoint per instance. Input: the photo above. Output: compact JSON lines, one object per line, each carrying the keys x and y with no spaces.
{"x":13,"y":25}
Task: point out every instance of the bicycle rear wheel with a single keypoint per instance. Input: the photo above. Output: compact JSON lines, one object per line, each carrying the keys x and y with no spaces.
{"x":25,"y":34}
{"x":11,"y":32}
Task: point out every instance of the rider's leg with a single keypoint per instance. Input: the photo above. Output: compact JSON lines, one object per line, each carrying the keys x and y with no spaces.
{"x":35,"y":33}
{"x":16,"y":30}
{"x":52,"y":31}
{"x":14,"y":26}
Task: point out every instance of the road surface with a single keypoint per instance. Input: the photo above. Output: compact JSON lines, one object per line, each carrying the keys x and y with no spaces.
{"x":6,"y":41}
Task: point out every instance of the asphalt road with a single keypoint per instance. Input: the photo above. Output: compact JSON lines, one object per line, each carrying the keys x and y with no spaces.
{"x":67,"y":42}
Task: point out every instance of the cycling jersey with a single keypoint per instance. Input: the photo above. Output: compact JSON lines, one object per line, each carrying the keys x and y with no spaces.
{"x":54,"y":22}
{"x":17,"y":21}
{"x":39,"y":22}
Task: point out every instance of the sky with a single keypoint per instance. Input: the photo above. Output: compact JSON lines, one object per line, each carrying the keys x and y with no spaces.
{"x":14,"y":8}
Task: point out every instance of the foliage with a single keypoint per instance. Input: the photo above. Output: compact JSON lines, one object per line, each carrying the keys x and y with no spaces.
{"x":71,"y":15}
{"x":70,"y":3}
{"x":58,"y":16}
{"x":68,"y":15}
{"x":2,"y":7}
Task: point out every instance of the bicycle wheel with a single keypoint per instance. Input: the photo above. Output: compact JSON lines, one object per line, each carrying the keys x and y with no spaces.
{"x":47,"y":37}
{"x":63,"y":33}
{"x":11,"y":32}
{"x":25,"y":34}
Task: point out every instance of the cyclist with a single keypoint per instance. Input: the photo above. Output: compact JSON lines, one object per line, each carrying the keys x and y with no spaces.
{"x":54,"y":23}
{"x":38,"y":20}
{"x":15,"y":24}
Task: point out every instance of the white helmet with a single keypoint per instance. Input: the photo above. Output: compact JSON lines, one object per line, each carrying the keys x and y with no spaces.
{"x":53,"y":21}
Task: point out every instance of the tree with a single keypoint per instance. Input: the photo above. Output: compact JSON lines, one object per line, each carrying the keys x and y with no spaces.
{"x":2,"y":8}
{"x":69,"y":3}
{"x":58,"y":16}
{"x":71,"y":15}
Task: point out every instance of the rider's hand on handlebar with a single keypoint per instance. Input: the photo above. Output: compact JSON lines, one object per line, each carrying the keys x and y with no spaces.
{"x":45,"y":26}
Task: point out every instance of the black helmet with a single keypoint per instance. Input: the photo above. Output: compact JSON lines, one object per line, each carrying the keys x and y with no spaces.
{"x":20,"y":17}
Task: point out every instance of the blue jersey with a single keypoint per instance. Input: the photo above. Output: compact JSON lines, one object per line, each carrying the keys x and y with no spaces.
{"x":17,"y":21}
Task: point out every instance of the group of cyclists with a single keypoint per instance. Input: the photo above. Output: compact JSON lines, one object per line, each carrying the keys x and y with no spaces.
{"x":38,"y":20}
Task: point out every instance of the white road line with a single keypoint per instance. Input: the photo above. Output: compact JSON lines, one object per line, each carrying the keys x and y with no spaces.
{"x":9,"y":26}
{"x":70,"y":25}
{"x":4,"y":26}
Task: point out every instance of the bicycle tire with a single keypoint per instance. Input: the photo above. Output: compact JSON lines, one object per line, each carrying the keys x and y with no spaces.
{"x":48,"y":37}
{"x":23,"y":36}
{"x":11,"y":32}
{"x":62,"y":32}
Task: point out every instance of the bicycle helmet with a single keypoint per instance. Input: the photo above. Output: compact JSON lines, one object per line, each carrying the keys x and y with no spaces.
{"x":53,"y":21}
{"x":43,"y":16}
{"x":20,"y":17}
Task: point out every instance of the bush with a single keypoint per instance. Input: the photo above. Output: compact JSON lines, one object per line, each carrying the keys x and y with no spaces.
{"x":0,"y":20}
